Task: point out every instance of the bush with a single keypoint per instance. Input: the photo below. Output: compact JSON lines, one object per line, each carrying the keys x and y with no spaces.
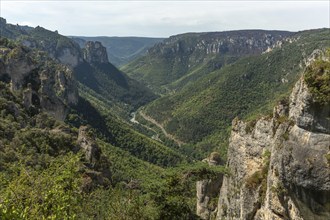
{"x":317,"y":77}
{"x":260,"y":177}
{"x":50,"y":194}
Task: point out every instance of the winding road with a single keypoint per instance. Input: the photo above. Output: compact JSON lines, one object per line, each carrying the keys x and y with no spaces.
{"x":153,"y":121}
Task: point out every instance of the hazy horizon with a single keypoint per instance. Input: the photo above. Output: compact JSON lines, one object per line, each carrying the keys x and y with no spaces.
{"x":161,"y":19}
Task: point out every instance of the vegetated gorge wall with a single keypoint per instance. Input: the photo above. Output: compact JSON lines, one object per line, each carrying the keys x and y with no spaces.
{"x":43,"y":83}
{"x":43,"y":68}
{"x":279,"y":165}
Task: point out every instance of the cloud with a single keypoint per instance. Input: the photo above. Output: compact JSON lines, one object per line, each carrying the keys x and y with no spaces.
{"x":164,"y":18}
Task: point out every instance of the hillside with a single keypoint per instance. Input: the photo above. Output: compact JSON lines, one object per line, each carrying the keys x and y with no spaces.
{"x":182,"y":59}
{"x":63,"y":153}
{"x":202,"y":111}
{"x":100,"y":76}
{"x":68,"y":150}
{"x":90,"y":65}
{"x":121,"y":50}
{"x":64,"y":150}
{"x":57,"y":46}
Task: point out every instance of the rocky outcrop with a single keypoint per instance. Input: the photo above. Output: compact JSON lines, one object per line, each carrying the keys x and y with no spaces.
{"x":208,"y":190}
{"x":279,"y":165}
{"x":44,"y":83}
{"x":97,"y":171}
{"x":87,"y":143}
{"x":58,"y":47}
{"x":306,"y":113}
{"x":57,"y":91}
{"x":95,"y":52}
{"x":230,"y":42}
{"x":69,"y":57}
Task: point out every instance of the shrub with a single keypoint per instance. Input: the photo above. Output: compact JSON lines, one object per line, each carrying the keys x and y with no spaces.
{"x":250,"y":126}
{"x":52,"y":193}
{"x":260,"y":177}
{"x":327,"y":156}
{"x":317,"y":77}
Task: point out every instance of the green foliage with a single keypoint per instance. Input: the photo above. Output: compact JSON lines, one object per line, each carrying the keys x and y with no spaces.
{"x":39,"y":177}
{"x":51,"y":193}
{"x":317,"y":77}
{"x":176,"y":198}
{"x":113,"y":85}
{"x":120,"y":134}
{"x":104,"y":79}
{"x":251,"y":85}
{"x":200,"y":171}
{"x":279,"y":189}
{"x":171,"y":200}
{"x":327,"y":157}
{"x":43,"y":177}
{"x":250,"y":125}
{"x":125,"y":167}
{"x":40,"y":38}
{"x":117,"y":203}
{"x":254,"y":180}
{"x":282,"y":119}
{"x":259,"y":176}
{"x":285,"y":135}
{"x":185,"y":58}
{"x":5,"y":42}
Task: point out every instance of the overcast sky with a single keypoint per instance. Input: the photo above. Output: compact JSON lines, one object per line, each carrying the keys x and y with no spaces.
{"x":165,"y":18}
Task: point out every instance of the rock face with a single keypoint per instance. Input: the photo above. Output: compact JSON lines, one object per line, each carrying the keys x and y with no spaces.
{"x":45,"y":84}
{"x":95,"y":52}
{"x":88,"y":144}
{"x":57,"y":46}
{"x":97,"y":170}
{"x":229,"y":42}
{"x":280,"y":165}
{"x":69,"y":57}
{"x":207,"y":190}
{"x":306,"y":114}
{"x":121,"y":50}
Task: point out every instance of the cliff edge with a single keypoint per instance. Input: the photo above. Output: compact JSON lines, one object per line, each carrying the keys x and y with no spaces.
{"x":280,"y":165}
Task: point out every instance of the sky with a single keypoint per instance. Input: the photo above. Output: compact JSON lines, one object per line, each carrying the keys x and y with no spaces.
{"x":165,"y":18}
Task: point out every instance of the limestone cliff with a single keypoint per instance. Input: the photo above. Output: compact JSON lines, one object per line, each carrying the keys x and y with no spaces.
{"x":95,"y":52}
{"x":208,"y":190}
{"x":230,"y":42}
{"x":182,"y":59}
{"x":42,"y":83}
{"x":57,"y":46}
{"x":279,"y":165}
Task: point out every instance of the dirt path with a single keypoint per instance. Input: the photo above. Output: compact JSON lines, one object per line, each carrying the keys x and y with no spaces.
{"x":153,"y":121}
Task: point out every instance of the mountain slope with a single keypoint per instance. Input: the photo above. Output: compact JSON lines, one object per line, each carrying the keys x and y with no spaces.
{"x":57,"y":46}
{"x":106,"y":80}
{"x":184,"y":58}
{"x":91,"y":165}
{"x":202,"y":111}
{"x":90,"y":68}
{"x":122,"y":50}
